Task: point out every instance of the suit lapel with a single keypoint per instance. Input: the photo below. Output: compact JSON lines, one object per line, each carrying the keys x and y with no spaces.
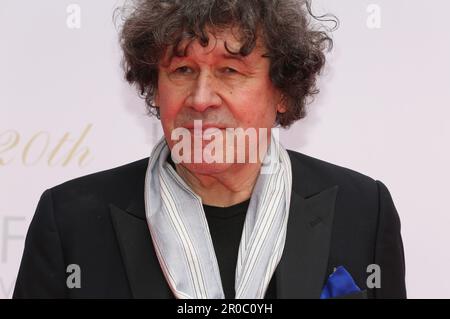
{"x":301,"y":272}
{"x":141,"y":263}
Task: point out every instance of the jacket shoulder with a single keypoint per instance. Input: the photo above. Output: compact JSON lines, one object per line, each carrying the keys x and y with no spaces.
{"x":321,"y":173}
{"x":111,"y":185}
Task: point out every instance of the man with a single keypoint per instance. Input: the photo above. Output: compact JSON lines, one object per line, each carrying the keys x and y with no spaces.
{"x":203,"y":217}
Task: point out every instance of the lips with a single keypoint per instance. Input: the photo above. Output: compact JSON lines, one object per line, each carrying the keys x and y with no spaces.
{"x":206,"y":133}
{"x":204,"y":127}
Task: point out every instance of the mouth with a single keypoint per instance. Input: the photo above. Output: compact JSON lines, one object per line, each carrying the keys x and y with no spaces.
{"x":206,"y":132}
{"x":204,"y":127}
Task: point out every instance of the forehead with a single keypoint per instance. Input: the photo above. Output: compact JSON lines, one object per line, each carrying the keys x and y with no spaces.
{"x":216,"y":49}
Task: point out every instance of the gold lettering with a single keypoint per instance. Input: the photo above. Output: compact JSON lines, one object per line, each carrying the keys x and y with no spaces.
{"x":55,"y":151}
{"x":85,"y":151}
{"x":8,"y":140}
{"x":30,"y":144}
{"x":62,"y":154}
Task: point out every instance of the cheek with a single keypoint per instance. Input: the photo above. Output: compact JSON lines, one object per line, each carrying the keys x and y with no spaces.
{"x":256,"y":108}
{"x":170,"y":100}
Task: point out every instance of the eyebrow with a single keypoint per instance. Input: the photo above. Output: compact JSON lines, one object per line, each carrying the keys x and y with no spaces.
{"x":233,"y":57}
{"x":230,"y":56}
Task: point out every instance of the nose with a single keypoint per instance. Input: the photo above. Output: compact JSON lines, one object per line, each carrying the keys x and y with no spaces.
{"x":204,"y":93}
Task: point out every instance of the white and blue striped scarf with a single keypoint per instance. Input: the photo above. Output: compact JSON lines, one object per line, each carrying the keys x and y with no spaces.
{"x":181,"y":236}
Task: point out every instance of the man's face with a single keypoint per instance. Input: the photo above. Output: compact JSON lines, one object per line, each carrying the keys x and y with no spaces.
{"x":221,"y":90}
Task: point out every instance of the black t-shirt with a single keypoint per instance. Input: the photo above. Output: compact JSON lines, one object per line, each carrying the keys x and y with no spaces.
{"x":226,"y":225}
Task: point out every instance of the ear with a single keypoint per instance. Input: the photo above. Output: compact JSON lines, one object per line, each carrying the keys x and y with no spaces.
{"x":281,"y":106}
{"x":156,"y":99}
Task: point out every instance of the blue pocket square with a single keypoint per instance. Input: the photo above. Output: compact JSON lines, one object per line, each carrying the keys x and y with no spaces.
{"x":339,"y":283}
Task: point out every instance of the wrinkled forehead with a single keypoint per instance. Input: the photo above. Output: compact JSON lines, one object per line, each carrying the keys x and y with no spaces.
{"x":225,"y":43}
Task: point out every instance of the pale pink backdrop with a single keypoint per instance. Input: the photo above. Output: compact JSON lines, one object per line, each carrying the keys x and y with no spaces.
{"x":383,"y":111}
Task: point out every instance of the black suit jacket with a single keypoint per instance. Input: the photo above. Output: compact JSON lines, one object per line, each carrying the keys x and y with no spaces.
{"x":338,"y":217}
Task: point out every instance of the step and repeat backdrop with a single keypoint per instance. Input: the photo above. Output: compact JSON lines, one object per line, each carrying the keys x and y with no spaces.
{"x":383,"y":110}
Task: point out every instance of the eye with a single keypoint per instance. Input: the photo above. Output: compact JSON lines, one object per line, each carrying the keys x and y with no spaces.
{"x":183,"y":70}
{"x":229,"y":70}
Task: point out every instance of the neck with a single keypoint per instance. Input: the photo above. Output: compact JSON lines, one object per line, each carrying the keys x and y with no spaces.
{"x":223,"y":189}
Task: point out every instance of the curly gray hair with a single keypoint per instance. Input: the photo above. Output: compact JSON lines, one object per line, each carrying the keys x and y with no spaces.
{"x":294,"y":46}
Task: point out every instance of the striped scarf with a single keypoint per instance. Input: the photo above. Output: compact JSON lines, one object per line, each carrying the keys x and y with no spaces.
{"x":181,"y":236}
